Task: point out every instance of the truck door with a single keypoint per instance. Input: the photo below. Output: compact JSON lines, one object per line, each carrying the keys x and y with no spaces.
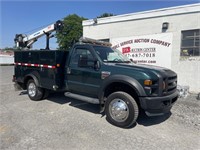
{"x":83,"y":80}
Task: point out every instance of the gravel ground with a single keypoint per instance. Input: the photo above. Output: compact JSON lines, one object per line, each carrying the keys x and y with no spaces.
{"x":62,"y":123}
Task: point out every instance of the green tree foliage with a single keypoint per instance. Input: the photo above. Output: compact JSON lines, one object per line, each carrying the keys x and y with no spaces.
{"x":71,"y":32}
{"x":105,"y":15}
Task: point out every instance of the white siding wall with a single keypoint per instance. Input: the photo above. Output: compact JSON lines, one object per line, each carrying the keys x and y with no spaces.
{"x":6,"y":60}
{"x":188,"y":71}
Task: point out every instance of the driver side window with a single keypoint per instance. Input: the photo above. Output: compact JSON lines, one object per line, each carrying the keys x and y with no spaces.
{"x":80,"y":52}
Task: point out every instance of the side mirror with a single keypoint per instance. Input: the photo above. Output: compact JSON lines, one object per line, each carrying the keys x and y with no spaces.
{"x":96,"y":65}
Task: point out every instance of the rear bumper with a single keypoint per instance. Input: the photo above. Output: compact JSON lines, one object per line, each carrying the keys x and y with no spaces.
{"x":158,"y":105}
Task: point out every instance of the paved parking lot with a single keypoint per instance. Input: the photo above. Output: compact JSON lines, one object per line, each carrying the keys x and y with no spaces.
{"x":62,"y":123}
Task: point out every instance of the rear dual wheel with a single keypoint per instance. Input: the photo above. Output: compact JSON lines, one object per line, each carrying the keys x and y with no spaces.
{"x":121,"y":109}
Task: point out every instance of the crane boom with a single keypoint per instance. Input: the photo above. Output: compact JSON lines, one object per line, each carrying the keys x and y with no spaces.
{"x":26,"y":41}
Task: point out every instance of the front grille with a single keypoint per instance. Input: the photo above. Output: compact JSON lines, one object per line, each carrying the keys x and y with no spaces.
{"x":171,"y":83}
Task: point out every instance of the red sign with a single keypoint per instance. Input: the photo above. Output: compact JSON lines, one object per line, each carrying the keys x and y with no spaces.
{"x":126,"y":50}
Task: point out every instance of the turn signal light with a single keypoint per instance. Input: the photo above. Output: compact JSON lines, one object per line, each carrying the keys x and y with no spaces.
{"x":57,"y":65}
{"x":147,"y":82}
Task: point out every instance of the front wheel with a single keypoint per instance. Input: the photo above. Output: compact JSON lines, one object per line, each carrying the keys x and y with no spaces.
{"x":121,"y":109}
{"x":34,"y":92}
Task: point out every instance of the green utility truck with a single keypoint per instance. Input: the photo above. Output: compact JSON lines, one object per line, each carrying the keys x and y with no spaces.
{"x":94,"y":72}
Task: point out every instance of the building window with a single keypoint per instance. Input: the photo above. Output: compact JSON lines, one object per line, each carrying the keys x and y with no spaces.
{"x":190,"y":43}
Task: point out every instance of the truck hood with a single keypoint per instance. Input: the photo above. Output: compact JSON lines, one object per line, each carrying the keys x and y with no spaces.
{"x":148,"y":69}
{"x":142,"y":67}
{"x":138,"y":70}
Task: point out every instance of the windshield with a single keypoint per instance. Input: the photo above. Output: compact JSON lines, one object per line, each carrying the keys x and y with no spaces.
{"x":108,"y":54}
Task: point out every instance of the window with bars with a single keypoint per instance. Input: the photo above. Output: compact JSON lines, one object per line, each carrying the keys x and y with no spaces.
{"x":190,"y":43}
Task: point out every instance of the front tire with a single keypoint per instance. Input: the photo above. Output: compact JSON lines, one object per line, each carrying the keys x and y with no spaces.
{"x":121,"y":109}
{"x":34,"y":92}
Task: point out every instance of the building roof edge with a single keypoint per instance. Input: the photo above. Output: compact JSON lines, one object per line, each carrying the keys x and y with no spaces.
{"x":192,"y":8}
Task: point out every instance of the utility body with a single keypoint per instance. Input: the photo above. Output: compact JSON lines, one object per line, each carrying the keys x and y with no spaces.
{"x":94,"y":72}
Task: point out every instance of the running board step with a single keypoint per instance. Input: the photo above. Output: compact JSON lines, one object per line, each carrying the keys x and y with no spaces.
{"x":83,"y":98}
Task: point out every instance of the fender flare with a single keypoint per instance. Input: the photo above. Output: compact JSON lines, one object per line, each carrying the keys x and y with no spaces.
{"x":133,"y":83}
{"x":35,"y":76}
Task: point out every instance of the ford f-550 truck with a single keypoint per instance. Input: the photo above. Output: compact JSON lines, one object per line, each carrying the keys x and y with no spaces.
{"x":94,"y":72}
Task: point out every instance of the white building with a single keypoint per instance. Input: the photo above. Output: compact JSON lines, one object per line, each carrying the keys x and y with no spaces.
{"x":168,"y":37}
{"x":6,"y":59}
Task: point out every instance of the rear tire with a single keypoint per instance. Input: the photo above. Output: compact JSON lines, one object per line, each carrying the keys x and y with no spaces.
{"x":121,"y":109}
{"x":34,"y":92}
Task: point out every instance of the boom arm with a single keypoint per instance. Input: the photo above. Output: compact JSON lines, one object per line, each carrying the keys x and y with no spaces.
{"x":26,"y":41}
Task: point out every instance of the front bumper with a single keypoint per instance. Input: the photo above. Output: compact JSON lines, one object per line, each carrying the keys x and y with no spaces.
{"x":158,"y":105}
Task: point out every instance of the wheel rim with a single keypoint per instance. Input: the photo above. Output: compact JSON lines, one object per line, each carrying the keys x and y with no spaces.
{"x":32,"y":89}
{"x":118,"y":110}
